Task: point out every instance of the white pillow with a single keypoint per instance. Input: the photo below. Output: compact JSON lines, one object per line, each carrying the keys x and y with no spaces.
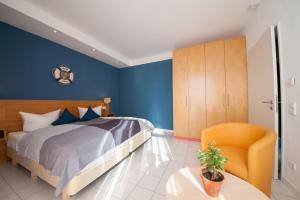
{"x":33,"y":122}
{"x":82,"y":111}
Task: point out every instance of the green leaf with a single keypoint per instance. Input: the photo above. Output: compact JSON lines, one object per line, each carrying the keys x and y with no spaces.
{"x":212,"y":158}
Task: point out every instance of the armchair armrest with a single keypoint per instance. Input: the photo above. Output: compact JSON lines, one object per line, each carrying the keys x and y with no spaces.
{"x":261,"y":162}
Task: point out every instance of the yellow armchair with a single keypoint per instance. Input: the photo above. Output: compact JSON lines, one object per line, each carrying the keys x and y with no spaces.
{"x":249,"y":148}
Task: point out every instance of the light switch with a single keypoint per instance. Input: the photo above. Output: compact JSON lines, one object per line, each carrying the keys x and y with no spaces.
{"x":292,"y":82}
{"x":293,"y":108}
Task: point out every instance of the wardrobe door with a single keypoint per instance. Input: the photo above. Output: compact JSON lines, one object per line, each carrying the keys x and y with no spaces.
{"x":215,"y":83}
{"x":236,"y":80}
{"x":180,"y":93}
{"x":196,"y":75}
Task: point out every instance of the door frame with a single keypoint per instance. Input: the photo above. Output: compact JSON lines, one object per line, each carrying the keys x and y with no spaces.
{"x":275,"y":103}
{"x":278,"y":104}
{"x":281,"y":104}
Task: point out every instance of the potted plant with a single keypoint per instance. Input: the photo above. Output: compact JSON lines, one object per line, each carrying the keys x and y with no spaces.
{"x":212,"y":162}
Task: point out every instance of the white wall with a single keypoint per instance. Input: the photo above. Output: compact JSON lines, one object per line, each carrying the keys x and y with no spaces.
{"x":287,"y":14}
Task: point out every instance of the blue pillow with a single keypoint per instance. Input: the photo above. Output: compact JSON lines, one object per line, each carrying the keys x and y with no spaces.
{"x":89,"y":115}
{"x":65,"y":118}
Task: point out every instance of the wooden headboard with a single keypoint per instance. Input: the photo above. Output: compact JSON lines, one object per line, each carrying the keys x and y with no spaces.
{"x":10,"y":118}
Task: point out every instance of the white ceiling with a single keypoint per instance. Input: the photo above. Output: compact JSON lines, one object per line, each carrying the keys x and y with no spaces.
{"x":126,"y":33}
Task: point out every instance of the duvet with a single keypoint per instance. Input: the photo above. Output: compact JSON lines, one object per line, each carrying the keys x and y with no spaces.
{"x":64,"y":150}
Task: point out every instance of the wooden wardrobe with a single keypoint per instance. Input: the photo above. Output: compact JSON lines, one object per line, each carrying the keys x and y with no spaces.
{"x":209,"y":86}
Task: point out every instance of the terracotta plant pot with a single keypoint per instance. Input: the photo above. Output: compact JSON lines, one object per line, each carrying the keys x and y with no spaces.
{"x":212,"y":188}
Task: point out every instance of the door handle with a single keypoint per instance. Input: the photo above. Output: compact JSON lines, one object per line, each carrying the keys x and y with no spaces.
{"x":270,"y":102}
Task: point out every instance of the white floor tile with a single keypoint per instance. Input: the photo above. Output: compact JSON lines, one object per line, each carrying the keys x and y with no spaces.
{"x":272,"y":197}
{"x":283,"y":197}
{"x":149,"y":182}
{"x":141,"y":176}
{"x":5,"y":191}
{"x":191,"y":161}
{"x":91,"y":194}
{"x":120,"y":189}
{"x":158,"y":197}
{"x":161,"y":187}
{"x":140,"y":194}
{"x":33,"y":189}
{"x":41,"y":195}
{"x":156,"y":171}
{"x":173,"y":166}
{"x":278,"y":188}
{"x":133,"y":176}
{"x":12,"y":196}
{"x":103,"y":182}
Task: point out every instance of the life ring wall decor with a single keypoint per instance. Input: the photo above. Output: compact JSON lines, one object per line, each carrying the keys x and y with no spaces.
{"x":63,"y":74}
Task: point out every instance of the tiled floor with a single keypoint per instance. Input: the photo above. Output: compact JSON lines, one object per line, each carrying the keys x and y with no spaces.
{"x":141,"y":176}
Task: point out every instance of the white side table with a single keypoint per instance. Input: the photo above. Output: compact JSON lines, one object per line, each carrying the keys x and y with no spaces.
{"x":186,"y":184}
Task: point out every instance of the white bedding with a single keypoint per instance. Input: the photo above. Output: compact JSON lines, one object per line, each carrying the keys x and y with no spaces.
{"x":15,"y":137}
{"x":34,"y":143}
{"x":145,"y":124}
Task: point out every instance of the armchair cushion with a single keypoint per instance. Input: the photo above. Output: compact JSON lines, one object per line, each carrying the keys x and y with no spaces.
{"x":237,"y":160}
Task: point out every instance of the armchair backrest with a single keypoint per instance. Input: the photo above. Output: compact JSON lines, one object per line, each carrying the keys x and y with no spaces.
{"x":232,"y":134}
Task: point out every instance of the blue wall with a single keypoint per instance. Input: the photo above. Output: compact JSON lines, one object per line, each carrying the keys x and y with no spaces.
{"x":26,"y":61}
{"x":146,"y":91}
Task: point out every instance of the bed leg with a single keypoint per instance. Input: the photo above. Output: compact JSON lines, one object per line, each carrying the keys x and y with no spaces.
{"x":34,"y":176}
{"x":14,"y":162}
{"x":65,"y":195}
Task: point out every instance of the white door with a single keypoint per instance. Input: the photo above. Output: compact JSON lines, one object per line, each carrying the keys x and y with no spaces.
{"x":262,"y":85}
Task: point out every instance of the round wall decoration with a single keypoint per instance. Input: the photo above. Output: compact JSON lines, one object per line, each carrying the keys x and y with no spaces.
{"x":63,"y":74}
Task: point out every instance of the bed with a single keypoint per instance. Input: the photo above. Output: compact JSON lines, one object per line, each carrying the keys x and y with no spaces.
{"x":10,"y":120}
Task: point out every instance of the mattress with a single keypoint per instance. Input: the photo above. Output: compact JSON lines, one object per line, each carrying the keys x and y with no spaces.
{"x":14,"y":138}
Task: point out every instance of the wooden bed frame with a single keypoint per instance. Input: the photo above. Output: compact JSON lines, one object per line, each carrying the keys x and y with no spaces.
{"x":11,"y":121}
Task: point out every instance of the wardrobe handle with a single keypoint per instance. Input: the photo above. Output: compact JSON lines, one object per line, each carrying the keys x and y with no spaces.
{"x":228,"y":97}
{"x":186,"y":99}
{"x":224,"y":100}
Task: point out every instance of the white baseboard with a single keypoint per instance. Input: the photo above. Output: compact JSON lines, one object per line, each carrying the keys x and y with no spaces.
{"x":292,"y":187}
